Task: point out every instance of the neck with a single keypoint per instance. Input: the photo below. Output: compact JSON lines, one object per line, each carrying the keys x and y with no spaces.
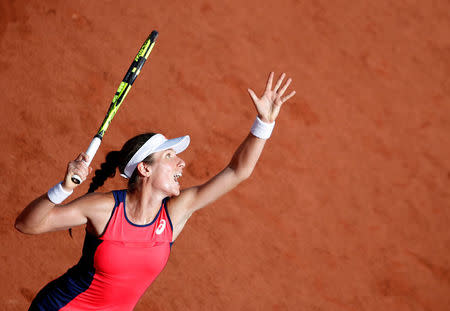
{"x":143,"y":203}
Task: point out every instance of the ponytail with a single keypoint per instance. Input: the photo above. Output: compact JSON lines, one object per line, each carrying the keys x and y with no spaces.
{"x":119,"y":159}
{"x":107,"y":170}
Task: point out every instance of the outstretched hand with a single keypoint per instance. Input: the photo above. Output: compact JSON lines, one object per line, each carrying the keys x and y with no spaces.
{"x":269,"y":105}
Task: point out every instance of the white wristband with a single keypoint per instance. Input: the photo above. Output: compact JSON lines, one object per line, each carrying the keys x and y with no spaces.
{"x":262,"y":129}
{"x":57,"y":194}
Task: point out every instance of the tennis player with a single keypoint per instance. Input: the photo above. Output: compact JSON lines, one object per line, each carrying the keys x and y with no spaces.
{"x":129,"y":233}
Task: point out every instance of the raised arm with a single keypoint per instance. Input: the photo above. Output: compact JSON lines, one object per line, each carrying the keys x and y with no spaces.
{"x":243,"y":161}
{"x":44,"y":215}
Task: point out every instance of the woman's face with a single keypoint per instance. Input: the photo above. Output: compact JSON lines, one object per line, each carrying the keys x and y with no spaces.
{"x":166,"y":169}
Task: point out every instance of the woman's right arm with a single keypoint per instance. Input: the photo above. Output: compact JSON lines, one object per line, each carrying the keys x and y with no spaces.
{"x":42,"y":215}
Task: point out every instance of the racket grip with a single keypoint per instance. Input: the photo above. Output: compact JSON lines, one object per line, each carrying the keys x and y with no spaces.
{"x":91,"y":151}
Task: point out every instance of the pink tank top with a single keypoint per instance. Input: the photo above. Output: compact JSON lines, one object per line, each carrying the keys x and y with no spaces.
{"x":123,"y":262}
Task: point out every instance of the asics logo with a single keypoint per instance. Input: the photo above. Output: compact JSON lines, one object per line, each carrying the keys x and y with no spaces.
{"x":161,"y":226}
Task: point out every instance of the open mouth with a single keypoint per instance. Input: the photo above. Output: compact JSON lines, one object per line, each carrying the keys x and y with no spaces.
{"x":176,"y":176}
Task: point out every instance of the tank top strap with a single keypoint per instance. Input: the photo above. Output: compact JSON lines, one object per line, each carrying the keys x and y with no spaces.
{"x":115,"y":220}
{"x":165,"y":201}
{"x":119,"y":196}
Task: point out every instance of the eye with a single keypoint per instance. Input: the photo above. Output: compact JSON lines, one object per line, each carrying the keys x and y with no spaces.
{"x":169,"y":155}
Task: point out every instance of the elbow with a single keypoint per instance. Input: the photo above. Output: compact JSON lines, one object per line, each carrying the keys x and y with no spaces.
{"x":242,"y":175}
{"x":240,"y":172}
{"x":23,"y":228}
{"x":19,"y":226}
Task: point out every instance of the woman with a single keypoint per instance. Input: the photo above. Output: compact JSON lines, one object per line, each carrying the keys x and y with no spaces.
{"x":129,"y":232}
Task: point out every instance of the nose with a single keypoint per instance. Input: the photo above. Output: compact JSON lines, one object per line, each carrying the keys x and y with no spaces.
{"x":181,"y":163}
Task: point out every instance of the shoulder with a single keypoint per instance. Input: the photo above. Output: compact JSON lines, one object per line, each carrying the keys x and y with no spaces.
{"x":94,"y":203}
{"x":179,"y":209}
{"x":97,"y":207}
{"x":182,"y":202}
{"x":96,"y":199}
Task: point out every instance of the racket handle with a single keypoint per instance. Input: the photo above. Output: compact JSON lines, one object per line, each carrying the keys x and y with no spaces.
{"x":91,"y":151}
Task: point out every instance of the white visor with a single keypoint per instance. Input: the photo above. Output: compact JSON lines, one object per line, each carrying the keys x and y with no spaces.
{"x":156,"y":143}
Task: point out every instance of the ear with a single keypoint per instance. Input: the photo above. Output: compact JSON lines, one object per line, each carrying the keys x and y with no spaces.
{"x":144,"y":170}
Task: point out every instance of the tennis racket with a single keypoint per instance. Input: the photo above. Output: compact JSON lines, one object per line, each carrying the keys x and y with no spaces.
{"x":120,"y":95}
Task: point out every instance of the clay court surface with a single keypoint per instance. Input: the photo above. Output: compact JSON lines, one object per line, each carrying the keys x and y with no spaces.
{"x":349,"y":206}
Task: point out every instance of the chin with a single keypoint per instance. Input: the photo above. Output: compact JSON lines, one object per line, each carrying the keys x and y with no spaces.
{"x":175,"y":192}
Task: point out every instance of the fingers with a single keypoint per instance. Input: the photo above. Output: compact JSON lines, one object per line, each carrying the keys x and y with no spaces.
{"x":269,"y":82}
{"x":274,"y":96}
{"x":280,"y":93}
{"x":280,"y":80}
{"x":79,"y":167}
{"x":284,"y":99}
{"x":283,"y":89}
{"x":252,"y":95}
{"x":83,"y":157}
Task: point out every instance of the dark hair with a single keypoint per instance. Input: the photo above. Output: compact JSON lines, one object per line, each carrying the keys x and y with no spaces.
{"x":119,"y":159}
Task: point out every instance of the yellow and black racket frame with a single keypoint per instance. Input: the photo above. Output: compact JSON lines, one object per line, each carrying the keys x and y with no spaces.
{"x":121,"y":93}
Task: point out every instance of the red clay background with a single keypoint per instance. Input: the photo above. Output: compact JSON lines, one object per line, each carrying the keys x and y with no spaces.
{"x":349,"y":206}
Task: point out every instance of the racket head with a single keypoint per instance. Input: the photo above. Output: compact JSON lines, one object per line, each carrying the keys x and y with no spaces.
{"x":128,"y":80}
{"x":122,"y":91}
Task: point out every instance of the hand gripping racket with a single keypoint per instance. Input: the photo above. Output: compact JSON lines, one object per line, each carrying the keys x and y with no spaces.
{"x":120,"y":95}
